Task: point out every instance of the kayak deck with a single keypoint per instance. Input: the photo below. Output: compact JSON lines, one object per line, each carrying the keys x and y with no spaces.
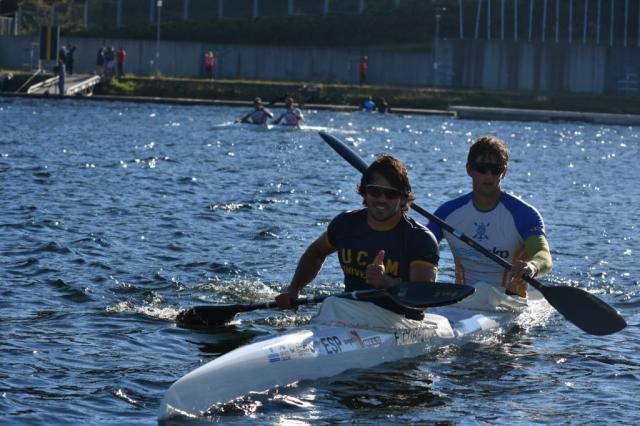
{"x":328,"y":347}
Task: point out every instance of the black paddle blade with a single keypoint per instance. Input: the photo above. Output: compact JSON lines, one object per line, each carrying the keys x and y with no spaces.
{"x":345,"y":152}
{"x":206,"y":316}
{"x":584,"y":310}
{"x":425,"y":295}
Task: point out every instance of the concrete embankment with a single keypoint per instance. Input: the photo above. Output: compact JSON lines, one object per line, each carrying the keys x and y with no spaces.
{"x":487,"y":113}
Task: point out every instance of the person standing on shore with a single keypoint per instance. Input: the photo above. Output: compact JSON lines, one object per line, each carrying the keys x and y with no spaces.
{"x":363,"y":68}
{"x":110,"y":61}
{"x":499,"y":221}
{"x":60,"y":70}
{"x":121,"y":54}
{"x":209,"y":63}
{"x":69,"y":58}
{"x":100,"y":61}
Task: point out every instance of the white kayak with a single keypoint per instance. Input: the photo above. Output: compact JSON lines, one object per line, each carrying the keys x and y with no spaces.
{"x":278,"y":127}
{"x":339,"y":339}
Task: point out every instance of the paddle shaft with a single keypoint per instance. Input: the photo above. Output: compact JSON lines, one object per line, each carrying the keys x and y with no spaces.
{"x":355,"y":295}
{"x":578,"y":306}
{"x":413,"y":295}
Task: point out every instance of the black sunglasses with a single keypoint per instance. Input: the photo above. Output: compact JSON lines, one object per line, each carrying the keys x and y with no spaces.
{"x":376,"y":191}
{"x":483,"y":168}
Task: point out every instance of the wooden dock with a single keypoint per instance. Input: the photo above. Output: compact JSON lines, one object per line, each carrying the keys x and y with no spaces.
{"x":77,"y":84}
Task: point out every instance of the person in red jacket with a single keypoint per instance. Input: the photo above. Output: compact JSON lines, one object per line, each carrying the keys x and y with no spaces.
{"x":364,"y":67}
{"x":120,"y":55}
{"x":209,"y":62}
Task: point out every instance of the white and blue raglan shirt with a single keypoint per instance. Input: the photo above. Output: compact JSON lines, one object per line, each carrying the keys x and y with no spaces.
{"x":502,"y":230}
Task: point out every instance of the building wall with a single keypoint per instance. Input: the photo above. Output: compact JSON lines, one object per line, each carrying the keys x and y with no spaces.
{"x":460,"y":64}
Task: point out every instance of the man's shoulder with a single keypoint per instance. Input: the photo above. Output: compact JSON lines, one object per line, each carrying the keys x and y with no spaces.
{"x":452,"y":205}
{"x":526,"y":217}
{"x":514,"y":203}
{"x":345,"y":223}
{"x":418,"y":228}
{"x":349,"y":215}
{"x":421,"y":240}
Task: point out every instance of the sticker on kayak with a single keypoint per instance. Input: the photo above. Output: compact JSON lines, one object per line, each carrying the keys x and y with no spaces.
{"x":352,"y":341}
{"x":365,"y":342}
{"x":410,"y":336}
{"x":289,"y":352}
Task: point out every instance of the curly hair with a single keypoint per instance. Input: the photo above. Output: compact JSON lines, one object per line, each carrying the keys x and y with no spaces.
{"x":392,"y":169}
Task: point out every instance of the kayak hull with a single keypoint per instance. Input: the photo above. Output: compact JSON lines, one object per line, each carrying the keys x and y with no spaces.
{"x":322,"y":350}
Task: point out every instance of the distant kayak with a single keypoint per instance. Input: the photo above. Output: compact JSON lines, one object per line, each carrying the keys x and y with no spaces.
{"x":277,"y":127}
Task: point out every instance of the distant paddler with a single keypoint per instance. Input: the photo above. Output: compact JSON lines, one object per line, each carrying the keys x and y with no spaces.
{"x":292,"y":116}
{"x":259,"y":115}
{"x":368,"y":105}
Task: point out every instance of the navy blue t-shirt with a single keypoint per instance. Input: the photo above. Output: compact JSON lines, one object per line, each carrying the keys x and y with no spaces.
{"x":358,"y":245}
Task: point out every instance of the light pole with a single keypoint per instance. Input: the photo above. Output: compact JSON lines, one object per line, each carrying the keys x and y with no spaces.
{"x":159,"y":4}
{"x":436,"y":45}
{"x":437,"y":40}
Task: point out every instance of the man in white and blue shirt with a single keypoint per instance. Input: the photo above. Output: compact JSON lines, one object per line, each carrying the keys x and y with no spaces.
{"x":500,"y":222}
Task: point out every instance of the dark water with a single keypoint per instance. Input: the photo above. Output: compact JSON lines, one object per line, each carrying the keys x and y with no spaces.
{"x":115,"y":216}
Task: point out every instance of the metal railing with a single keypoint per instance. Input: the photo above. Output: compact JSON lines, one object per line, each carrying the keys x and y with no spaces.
{"x":85,"y":87}
{"x":43,"y":86}
{"x":7,"y":26}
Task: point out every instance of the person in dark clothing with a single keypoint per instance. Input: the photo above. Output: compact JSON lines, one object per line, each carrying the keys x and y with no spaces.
{"x":100,"y":61}
{"x":69,"y":59}
{"x":383,"y":106}
{"x":59,"y":69}
{"x":109,"y":61}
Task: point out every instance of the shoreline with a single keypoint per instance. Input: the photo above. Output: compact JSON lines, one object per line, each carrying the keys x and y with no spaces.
{"x":215,"y":102}
{"x":348,"y":98}
{"x":461,"y":112}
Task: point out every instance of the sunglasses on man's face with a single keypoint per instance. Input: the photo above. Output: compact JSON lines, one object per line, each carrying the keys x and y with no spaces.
{"x":483,"y":168}
{"x":376,"y":191}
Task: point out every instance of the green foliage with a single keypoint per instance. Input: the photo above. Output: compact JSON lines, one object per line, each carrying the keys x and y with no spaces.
{"x":117,"y":87}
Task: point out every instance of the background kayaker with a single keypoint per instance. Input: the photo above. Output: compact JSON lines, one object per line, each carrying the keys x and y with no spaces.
{"x":368,"y":105}
{"x":259,"y":115}
{"x":383,"y":106}
{"x":499,"y":221}
{"x":379,"y":245}
{"x":292,"y":116}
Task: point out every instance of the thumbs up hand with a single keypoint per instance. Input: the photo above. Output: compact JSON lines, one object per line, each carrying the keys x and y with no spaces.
{"x":375,"y":271}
